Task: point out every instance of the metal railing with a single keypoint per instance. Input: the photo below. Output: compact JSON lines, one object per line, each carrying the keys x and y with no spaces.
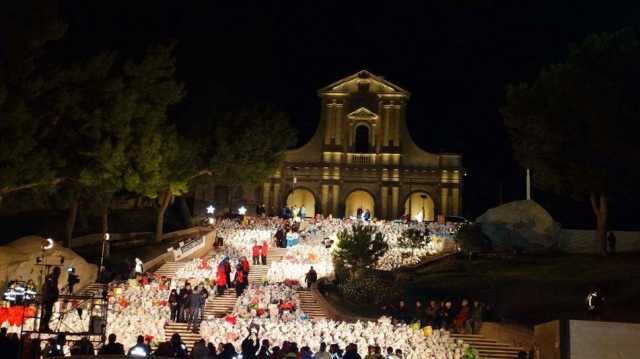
{"x":362,"y":158}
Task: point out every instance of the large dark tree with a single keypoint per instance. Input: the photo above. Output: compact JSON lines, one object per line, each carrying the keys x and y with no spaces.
{"x":575,"y":124}
{"x":25,"y":28}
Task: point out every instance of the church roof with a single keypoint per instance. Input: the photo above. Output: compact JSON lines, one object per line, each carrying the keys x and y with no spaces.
{"x":365,"y":76}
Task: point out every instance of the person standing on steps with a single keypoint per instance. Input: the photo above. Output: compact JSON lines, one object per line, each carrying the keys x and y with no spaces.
{"x":311,"y":277}
{"x":255,"y":253}
{"x":221,"y":280}
{"x":263,"y":252}
{"x":50,"y":295}
{"x":240,"y":280}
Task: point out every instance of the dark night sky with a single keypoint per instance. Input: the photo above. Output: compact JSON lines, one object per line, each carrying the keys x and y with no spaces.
{"x":455,"y":57}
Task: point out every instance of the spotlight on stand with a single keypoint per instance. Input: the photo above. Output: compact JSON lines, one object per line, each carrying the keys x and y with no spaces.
{"x":242,"y":210}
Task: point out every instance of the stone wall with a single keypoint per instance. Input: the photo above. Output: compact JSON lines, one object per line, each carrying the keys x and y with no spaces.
{"x":584,"y":241}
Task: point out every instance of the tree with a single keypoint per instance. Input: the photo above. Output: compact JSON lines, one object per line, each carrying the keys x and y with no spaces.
{"x":574,"y":125}
{"x":248,"y":145}
{"x":25,"y":28}
{"x":359,"y":248}
{"x":415,"y":237}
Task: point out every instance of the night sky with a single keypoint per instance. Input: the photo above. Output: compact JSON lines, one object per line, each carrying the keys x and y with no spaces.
{"x":455,"y":57}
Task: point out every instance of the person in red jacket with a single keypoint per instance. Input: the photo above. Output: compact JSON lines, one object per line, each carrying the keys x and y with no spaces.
{"x":244,"y":262}
{"x":264,"y":253}
{"x":255,"y":253}
{"x":221,"y":279}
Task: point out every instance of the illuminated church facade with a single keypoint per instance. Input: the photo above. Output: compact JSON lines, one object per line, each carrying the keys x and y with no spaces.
{"x":363,"y":157}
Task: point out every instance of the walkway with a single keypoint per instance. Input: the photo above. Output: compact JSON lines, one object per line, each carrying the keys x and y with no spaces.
{"x":488,"y":348}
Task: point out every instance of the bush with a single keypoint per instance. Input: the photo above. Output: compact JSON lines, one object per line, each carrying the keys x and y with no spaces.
{"x":470,"y":239}
{"x":368,"y":288}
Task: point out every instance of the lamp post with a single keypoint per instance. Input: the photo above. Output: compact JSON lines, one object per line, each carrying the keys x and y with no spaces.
{"x":105,"y":239}
{"x":210,"y":212}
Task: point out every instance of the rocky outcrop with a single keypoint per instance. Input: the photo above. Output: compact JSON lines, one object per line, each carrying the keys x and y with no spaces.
{"x":520,"y":225}
{"x":18,"y":260}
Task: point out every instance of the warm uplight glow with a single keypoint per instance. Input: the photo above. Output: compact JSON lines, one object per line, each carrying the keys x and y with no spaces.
{"x":210,"y":220}
{"x":106,"y":236}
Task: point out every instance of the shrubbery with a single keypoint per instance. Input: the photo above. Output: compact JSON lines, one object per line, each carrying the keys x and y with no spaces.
{"x":368,"y":288}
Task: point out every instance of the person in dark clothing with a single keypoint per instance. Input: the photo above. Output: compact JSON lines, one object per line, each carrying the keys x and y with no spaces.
{"x":195,"y":309}
{"x":228,"y":352}
{"x":174,"y":305}
{"x":264,"y":353}
{"x":13,"y":348}
{"x":112,"y":347}
{"x":240,"y":280}
{"x":351,"y":352}
{"x":83,"y":347}
{"x":227,"y":271}
{"x":50,"y":295}
{"x":140,"y":349}
{"x":444,"y":317}
{"x":248,"y":348}
{"x":419,"y":314}
{"x":178,"y":347}
{"x":430,"y":313}
{"x":311,"y":277}
{"x":184,"y":295}
{"x":211,"y":351}
{"x":611,"y":240}
{"x":280,"y":238}
{"x":401,"y":313}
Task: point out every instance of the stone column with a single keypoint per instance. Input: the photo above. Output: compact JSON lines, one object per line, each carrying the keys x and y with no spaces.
{"x":384,"y":193}
{"x":386,"y":122}
{"x":455,"y":201}
{"x":276,"y":197}
{"x":335,"y":200}
{"x":329,"y":123}
{"x":266,"y":191}
{"x":395,"y":196}
{"x":396,"y":125}
{"x":339,"y":123}
{"x":444,"y":201}
{"x":324,"y":200}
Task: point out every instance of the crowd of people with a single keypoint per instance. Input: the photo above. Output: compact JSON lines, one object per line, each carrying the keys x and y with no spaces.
{"x":140,"y":307}
{"x":465,"y":317}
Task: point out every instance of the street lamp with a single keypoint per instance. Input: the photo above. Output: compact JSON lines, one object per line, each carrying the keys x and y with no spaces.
{"x":104,"y":242}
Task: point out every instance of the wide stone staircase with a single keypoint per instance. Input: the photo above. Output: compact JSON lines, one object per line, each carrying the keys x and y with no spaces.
{"x":488,"y":348}
{"x":311,"y":306}
{"x":169,"y":268}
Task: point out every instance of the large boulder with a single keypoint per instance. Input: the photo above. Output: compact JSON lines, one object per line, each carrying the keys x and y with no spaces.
{"x":18,"y":260}
{"x":520,"y":225}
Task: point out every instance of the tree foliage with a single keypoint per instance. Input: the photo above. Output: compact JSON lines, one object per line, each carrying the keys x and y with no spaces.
{"x":248,"y":145}
{"x":360,"y":247}
{"x":415,"y":237}
{"x":574,"y":125}
{"x":25,"y":28}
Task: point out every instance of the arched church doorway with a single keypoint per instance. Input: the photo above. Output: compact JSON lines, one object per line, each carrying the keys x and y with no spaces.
{"x":362,"y":139}
{"x":359,"y":200}
{"x":300,"y":197}
{"x":419,"y":203}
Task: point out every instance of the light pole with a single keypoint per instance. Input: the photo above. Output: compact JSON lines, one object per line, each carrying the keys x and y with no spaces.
{"x":105,"y":239}
{"x":210,"y":212}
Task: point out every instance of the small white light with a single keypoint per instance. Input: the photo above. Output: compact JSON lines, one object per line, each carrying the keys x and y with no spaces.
{"x":106,"y":236}
{"x":211,"y":209}
{"x":242,"y":210}
{"x":210,"y":220}
{"x":49,"y":244}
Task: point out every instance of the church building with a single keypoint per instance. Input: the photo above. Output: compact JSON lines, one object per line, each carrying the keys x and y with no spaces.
{"x":363,"y":157}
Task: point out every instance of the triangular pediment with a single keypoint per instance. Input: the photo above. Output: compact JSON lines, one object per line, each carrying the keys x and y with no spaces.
{"x":374,"y":83}
{"x":362,"y":114}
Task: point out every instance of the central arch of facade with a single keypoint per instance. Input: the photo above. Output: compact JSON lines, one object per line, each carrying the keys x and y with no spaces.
{"x":359,"y":199}
{"x":303,"y":197}
{"x":417,"y":202}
